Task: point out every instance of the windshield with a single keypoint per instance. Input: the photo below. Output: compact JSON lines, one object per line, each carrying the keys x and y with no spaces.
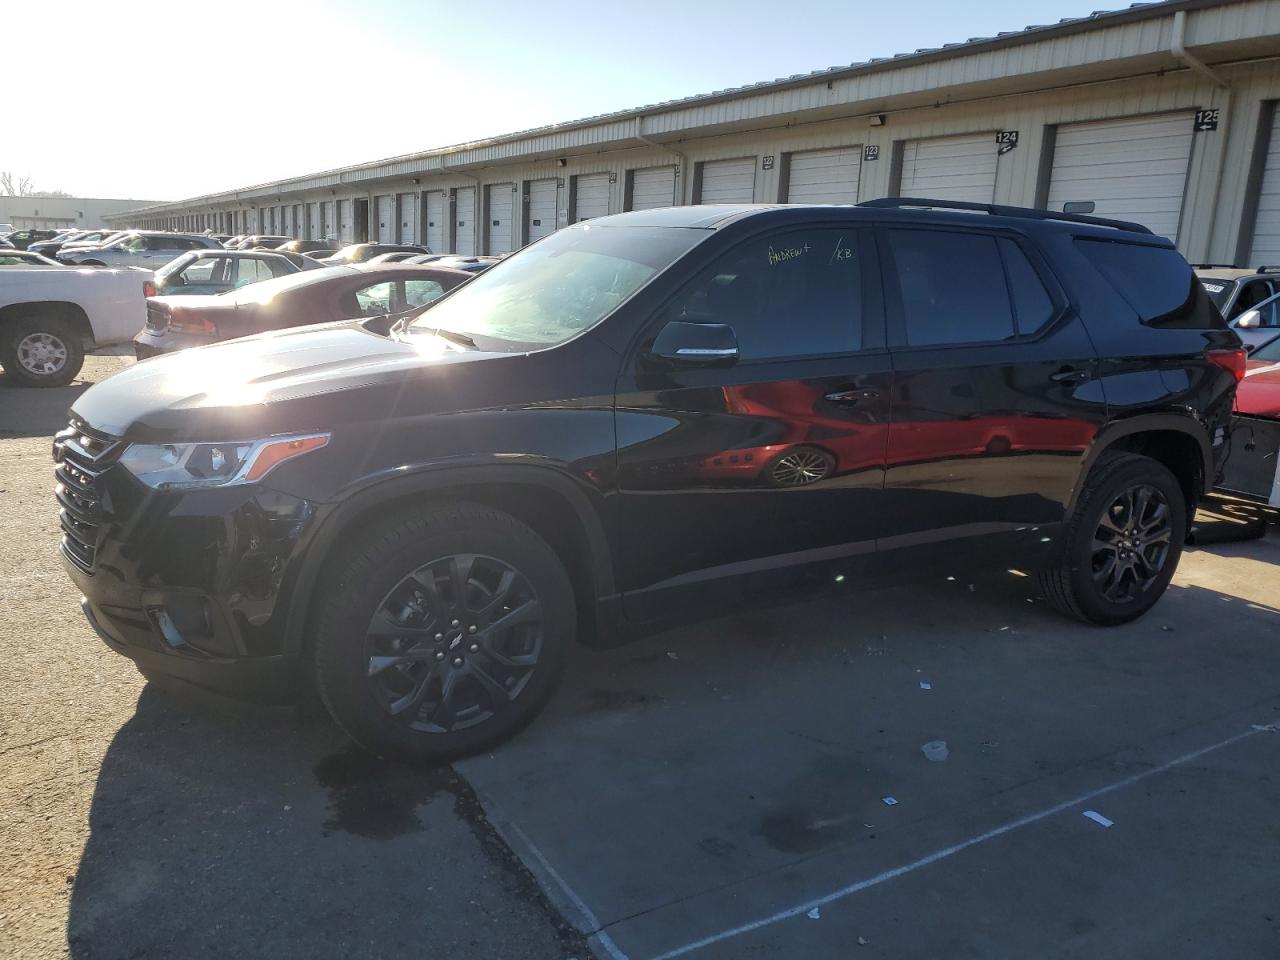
{"x":560,"y":286}
{"x":263,"y":291}
{"x":1219,"y":291}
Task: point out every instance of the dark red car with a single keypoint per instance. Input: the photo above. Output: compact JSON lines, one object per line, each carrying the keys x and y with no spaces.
{"x":313,"y":296}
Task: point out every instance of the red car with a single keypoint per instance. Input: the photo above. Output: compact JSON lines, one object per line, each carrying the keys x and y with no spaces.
{"x":313,"y":296}
{"x":1252,"y":468}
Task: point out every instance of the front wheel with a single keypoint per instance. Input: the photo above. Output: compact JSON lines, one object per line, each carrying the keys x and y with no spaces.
{"x":40,"y":350}
{"x":442,"y":632}
{"x":1121,"y":545}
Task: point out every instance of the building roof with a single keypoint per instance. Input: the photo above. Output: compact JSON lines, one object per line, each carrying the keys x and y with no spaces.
{"x":419,"y":162}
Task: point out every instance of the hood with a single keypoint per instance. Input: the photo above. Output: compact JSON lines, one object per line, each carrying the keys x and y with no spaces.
{"x":302,"y":378}
{"x":1258,"y":394}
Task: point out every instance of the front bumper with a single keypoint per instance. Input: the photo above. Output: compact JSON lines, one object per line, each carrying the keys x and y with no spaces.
{"x":194,"y":584}
{"x":150,"y":344}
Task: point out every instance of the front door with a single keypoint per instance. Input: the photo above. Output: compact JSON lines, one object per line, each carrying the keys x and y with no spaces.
{"x":739,"y":477}
{"x":996,"y":393}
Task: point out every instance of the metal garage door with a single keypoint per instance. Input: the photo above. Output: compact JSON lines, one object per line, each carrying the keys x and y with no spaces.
{"x":465,"y":222}
{"x":346,"y":228}
{"x":591,"y":196}
{"x":500,"y":212}
{"x":435,"y":232}
{"x":950,"y":168}
{"x":1132,"y":169}
{"x":728,"y":181}
{"x":655,"y":187}
{"x":330,"y":222}
{"x":1266,"y":229}
{"x":384,"y":224}
{"x":313,"y":224}
{"x":542,"y":209}
{"x":299,"y":220}
{"x":824,"y":176}
{"x":407,"y":206}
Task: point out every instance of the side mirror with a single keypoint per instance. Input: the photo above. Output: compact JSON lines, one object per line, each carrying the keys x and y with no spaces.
{"x":1249,"y":320}
{"x":696,"y":343}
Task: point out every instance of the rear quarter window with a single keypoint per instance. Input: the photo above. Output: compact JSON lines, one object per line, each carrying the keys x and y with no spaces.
{"x":1156,"y":282}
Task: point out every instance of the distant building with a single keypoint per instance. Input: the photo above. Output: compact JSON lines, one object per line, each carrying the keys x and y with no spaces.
{"x":49,"y":213}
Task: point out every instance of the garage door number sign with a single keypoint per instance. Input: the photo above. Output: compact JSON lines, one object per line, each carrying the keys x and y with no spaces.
{"x":1006,"y":140}
{"x":1206,"y":120}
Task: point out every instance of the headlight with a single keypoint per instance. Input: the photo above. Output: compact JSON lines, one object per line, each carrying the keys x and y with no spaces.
{"x":183,"y":466}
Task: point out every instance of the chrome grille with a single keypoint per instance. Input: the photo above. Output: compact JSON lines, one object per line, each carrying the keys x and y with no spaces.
{"x":81,"y":455}
{"x":157,"y":318}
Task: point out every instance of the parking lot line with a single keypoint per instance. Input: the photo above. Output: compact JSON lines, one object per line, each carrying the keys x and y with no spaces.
{"x":946,"y":852}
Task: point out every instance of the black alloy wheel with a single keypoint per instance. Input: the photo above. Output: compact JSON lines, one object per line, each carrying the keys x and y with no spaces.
{"x":454,"y":642}
{"x":1131,"y":544}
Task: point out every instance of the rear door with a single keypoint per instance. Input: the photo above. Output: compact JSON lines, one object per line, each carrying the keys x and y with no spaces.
{"x":995,"y":397}
{"x":739,"y":476}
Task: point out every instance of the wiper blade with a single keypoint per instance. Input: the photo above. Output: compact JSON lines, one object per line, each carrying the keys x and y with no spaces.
{"x":454,"y":337}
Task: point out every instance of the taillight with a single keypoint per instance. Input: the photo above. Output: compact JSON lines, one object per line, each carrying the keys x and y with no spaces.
{"x":198,"y":326}
{"x":148,"y":288}
{"x":1232,"y":361}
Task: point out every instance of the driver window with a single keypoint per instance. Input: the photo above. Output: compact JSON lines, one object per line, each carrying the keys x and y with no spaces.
{"x":791,"y":294}
{"x":136,"y":245}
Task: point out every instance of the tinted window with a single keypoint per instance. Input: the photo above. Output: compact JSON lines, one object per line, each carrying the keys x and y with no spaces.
{"x":786,"y":295}
{"x":252,"y":271}
{"x":418,"y":292}
{"x":1155,"y":281}
{"x":375,"y":300}
{"x":1254,"y":295}
{"x":952,"y":286}
{"x":1032,"y":305}
{"x":1219,"y":290}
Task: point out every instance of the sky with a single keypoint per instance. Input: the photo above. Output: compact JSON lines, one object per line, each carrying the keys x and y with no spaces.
{"x":170,"y":99}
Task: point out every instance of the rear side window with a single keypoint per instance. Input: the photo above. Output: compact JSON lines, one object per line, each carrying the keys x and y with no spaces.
{"x":1155,"y":281}
{"x":1032,"y":305}
{"x":952,"y":287}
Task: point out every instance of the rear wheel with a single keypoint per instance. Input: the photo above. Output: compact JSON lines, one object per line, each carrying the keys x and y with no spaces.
{"x":1122,"y":545}
{"x":40,"y":350}
{"x":442,"y":632}
{"x":799,"y":466}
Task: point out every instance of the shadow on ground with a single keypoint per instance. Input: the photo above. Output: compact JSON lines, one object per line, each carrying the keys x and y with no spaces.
{"x":220,"y":831}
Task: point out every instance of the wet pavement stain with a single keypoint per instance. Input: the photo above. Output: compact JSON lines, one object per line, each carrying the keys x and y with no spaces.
{"x":376,"y":798}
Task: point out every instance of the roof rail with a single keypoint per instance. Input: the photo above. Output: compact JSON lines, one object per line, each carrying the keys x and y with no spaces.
{"x":1214,"y":266}
{"x":1268,"y":270}
{"x":1023,"y":213}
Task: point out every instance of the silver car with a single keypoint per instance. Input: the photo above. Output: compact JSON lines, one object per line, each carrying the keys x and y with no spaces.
{"x":150,"y":249}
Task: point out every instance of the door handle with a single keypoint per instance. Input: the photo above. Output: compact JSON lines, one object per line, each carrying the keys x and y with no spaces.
{"x":854,"y":396}
{"x":1071,"y":375}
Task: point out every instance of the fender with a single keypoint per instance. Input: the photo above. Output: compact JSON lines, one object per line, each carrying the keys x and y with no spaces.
{"x":440,"y":476}
{"x":1117,"y":430}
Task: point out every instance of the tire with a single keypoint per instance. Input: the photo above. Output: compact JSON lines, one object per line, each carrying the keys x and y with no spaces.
{"x":799,"y":466}
{"x":40,"y":350}
{"x":1119,"y":506}
{"x":386,"y":644}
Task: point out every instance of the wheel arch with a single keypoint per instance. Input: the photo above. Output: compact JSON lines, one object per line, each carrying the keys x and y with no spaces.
{"x":66,"y":310}
{"x":1179,"y":442}
{"x":552,"y":504}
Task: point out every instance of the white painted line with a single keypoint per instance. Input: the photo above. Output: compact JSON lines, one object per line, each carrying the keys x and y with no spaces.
{"x":605,"y":941}
{"x":951,"y":851}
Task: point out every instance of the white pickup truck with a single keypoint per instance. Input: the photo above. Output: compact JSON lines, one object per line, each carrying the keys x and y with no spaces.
{"x":49,"y":317}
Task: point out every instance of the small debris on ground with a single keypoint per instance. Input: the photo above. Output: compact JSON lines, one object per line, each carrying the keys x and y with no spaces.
{"x":863,"y":941}
{"x":814,"y":914}
{"x":935,"y":750}
{"x":671,"y":656}
{"x":1098,"y":818}
{"x":925,"y":685}
{"x":889,"y":801}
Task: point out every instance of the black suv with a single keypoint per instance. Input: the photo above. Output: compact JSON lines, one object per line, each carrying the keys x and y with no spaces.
{"x":638,"y":419}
